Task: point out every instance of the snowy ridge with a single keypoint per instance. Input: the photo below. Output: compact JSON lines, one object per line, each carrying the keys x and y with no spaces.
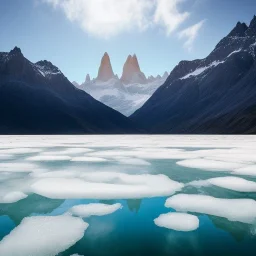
{"x":201,"y":70}
{"x":124,"y":98}
{"x":47,"y":69}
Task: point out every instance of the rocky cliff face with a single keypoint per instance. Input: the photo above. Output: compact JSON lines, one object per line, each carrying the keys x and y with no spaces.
{"x":132,"y":72}
{"x":105,"y":71}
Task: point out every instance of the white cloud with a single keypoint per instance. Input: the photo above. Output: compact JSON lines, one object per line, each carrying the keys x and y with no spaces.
{"x":190,"y":34}
{"x":167,"y":14}
{"x":106,"y":18}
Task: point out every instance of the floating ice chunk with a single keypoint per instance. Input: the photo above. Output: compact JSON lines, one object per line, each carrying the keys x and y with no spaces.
{"x":88,"y":159}
{"x":88,"y":210}
{"x":43,"y":236}
{"x":106,"y":185}
{"x":6,"y":157}
{"x":233,"y":156}
{"x":76,"y":255}
{"x":234,"y":183}
{"x":49,"y":158}
{"x":54,"y":174}
{"x":133,"y":161}
{"x":177,"y":221}
{"x":242,"y":210}
{"x":69,"y":151}
{"x":17,"y":167}
{"x":210,"y":165}
{"x":13,"y":197}
{"x":248,"y":170}
{"x":20,"y":151}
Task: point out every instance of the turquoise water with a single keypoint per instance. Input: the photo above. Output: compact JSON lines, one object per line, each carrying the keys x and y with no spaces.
{"x":130,"y":230}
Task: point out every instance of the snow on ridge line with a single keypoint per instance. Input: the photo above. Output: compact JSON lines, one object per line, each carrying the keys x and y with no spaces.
{"x":177,"y":221}
{"x":43,"y":235}
{"x":93,"y":209}
{"x":242,"y":210}
{"x":108,"y":185}
{"x":200,"y":70}
{"x":236,"y":51}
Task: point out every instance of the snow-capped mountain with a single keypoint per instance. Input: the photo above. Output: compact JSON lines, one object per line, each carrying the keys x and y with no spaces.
{"x":126,"y":94}
{"x":36,"y":98}
{"x":212,"y":95}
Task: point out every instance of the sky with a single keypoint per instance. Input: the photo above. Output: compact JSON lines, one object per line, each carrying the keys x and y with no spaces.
{"x":74,"y":34}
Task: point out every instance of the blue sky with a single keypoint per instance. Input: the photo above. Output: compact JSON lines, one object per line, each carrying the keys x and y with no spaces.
{"x":74,"y":34}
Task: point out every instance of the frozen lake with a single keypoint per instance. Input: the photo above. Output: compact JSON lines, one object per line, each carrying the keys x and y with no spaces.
{"x":127,"y":195}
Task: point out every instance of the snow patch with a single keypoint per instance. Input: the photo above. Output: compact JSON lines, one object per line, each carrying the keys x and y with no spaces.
{"x":201,"y":70}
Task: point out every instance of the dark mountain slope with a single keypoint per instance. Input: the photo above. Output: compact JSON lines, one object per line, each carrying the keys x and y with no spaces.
{"x":212,"y":95}
{"x":39,"y":99}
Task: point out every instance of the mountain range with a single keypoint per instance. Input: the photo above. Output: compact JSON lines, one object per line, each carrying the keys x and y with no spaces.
{"x":214,"y":95}
{"x":36,"y":98}
{"x":125,"y":94}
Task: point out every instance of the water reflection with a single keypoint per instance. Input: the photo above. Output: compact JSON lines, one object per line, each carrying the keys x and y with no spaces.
{"x":134,"y":205}
{"x":237,"y":230}
{"x":33,"y":204}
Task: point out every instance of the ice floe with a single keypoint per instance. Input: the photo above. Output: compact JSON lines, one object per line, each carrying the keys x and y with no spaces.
{"x":13,"y":197}
{"x":230,"y":182}
{"x":248,"y":170}
{"x":88,"y":159}
{"x":43,"y":236}
{"x":132,"y":161}
{"x":94,"y":209}
{"x":68,"y":151}
{"x":177,"y":221}
{"x":20,"y":151}
{"x":17,"y":167}
{"x":242,"y":210}
{"x":49,"y":158}
{"x":106,"y":185}
{"x":234,"y":183}
{"x":211,"y":165}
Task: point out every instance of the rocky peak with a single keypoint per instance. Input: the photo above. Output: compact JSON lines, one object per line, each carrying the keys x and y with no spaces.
{"x":16,"y":51}
{"x":105,"y":71}
{"x":47,"y":66}
{"x":165,"y":75}
{"x":239,"y":30}
{"x":252,"y":28}
{"x":88,"y":78}
{"x":131,"y":71}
